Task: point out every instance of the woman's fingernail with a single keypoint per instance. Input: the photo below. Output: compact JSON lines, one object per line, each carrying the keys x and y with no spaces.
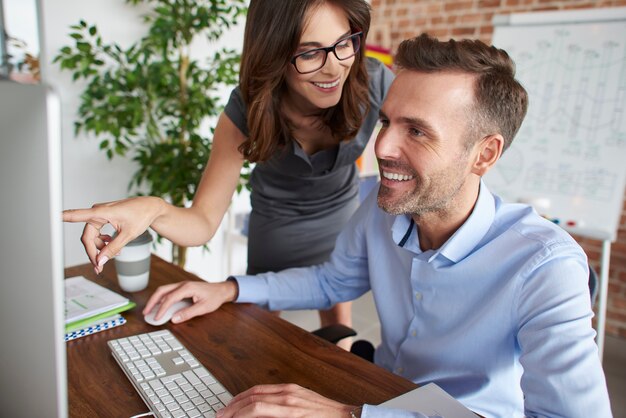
{"x":102,"y":261}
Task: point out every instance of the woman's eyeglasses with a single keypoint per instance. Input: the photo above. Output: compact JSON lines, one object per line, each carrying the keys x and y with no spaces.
{"x":314,"y":59}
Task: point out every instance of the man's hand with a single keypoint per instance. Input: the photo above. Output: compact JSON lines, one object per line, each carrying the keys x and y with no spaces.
{"x":287,"y":400}
{"x":206,"y":297}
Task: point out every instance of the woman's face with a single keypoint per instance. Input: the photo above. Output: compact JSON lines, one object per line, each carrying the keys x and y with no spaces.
{"x":320,"y":89}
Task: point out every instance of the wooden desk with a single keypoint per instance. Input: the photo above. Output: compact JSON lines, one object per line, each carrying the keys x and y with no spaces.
{"x":241,"y":344}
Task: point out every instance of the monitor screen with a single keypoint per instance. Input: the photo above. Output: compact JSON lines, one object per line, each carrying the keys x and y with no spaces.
{"x":33,"y":381}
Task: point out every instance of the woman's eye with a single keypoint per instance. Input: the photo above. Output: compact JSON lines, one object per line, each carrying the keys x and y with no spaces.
{"x":311,"y":55}
{"x":344,"y":44}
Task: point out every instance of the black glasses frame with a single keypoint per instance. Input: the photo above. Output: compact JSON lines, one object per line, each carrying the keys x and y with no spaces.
{"x":358,"y":35}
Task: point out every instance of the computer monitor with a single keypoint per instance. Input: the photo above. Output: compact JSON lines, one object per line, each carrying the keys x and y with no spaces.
{"x":33,"y":373}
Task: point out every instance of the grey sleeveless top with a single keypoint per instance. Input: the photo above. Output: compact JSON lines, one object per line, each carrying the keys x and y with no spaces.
{"x":300,"y":202}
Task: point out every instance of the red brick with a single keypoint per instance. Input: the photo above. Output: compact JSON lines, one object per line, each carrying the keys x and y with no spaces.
{"x":402,"y":12}
{"x":436,"y":20}
{"x":470,"y":18}
{"x":457,"y":6}
{"x":487,"y":31}
{"x":545,"y":9}
{"x":442,"y":34}
{"x":567,"y":6}
{"x":619,"y":304}
{"x":489,"y":4}
{"x":613,"y":288}
{"x":487,"y":17}
{"x":463,"y":31}
{"x":616,"y":316}
{"x":434,"y":8}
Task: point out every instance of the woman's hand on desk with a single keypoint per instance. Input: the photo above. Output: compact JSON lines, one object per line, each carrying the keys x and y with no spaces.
{"x":287,"y":400}
{"x":206,"y":297}
{"x":129,"y":217}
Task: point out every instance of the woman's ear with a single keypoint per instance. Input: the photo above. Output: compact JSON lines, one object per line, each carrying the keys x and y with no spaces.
{"x":489,"y":151}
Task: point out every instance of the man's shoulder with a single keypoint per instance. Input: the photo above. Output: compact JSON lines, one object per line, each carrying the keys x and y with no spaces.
{"x":521,"y":222}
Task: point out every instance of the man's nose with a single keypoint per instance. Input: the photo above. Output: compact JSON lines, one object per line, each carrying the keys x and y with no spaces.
{"x":387,"y":145}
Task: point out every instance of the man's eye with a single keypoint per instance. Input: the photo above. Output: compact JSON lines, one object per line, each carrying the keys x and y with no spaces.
{"x":415,"y":132}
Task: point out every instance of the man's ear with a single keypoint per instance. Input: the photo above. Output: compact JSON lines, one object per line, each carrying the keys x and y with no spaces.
{"x":489,"y":150}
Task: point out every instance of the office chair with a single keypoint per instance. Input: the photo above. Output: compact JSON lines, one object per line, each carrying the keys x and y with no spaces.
{"x":336,"y":332}
{"x":593,"y":285}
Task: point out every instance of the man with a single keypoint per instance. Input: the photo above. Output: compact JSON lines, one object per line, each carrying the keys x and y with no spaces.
{"x":486,"y":299}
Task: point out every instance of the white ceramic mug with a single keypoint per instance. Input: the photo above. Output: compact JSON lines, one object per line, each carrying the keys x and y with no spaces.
{"x":133,"y":263}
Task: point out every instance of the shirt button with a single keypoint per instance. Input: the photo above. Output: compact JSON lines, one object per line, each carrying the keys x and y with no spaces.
{"x":418,"y":296}
{"x":413,"y":333}
{"x":399,"y":370}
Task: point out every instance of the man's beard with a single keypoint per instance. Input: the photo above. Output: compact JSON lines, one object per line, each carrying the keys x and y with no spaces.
{"x":443,"y":188}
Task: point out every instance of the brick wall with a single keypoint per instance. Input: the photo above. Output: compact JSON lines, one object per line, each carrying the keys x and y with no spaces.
{"x":395,"y":20}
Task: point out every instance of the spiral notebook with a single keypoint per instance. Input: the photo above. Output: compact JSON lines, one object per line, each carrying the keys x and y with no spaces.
{"x":96,"y":326}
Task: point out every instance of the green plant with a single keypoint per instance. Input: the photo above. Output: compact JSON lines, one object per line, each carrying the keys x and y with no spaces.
{"x":151,"y":100}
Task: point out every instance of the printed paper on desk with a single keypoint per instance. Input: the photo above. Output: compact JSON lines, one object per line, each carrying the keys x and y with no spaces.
{"x":430,"y":400}
{"x":84,"y":298}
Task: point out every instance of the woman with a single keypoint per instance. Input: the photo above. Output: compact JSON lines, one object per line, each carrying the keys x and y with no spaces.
{"x":306,"y":105}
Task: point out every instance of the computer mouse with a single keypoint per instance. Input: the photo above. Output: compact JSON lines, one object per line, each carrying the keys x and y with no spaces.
{"x":177,"y":306}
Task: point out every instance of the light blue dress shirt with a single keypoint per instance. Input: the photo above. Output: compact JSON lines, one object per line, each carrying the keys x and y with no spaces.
{"x":499,"y":316}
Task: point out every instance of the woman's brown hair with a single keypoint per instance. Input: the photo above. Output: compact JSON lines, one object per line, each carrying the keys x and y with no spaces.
{"x":272,"y":35}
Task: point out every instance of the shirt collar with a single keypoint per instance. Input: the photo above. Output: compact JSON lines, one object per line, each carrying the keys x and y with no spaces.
{"x":463,"y":241}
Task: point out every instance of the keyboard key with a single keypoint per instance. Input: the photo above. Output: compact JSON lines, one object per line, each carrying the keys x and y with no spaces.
{"x":225,"y":397}
{"x":187,"y":406}
{"x":204,"y":407}
{"x":156,"y":384}
{"x":217,"y":388}
{"x":191,"y":377}
{"x":194,"y":413}
{"x":198,"y":400}
{"x":179,"y":414}
{"x":172,"y":406}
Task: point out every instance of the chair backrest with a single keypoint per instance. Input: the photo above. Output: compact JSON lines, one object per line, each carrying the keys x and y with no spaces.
{"x":593,"y":285}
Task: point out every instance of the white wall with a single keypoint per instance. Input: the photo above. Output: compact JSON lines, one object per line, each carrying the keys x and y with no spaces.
{"x":88,"y":177}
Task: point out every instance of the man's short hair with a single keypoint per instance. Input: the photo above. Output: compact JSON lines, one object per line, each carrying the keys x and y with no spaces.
{"x":500,"y":100}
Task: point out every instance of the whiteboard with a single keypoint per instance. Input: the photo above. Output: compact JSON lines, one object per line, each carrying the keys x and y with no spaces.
{"x":569,"y":156}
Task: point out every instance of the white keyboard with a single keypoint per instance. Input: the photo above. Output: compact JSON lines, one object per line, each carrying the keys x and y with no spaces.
{"x":168,"y":377}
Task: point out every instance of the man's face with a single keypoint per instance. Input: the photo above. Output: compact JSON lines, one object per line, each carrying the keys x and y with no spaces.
{"x":421,"y":149}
